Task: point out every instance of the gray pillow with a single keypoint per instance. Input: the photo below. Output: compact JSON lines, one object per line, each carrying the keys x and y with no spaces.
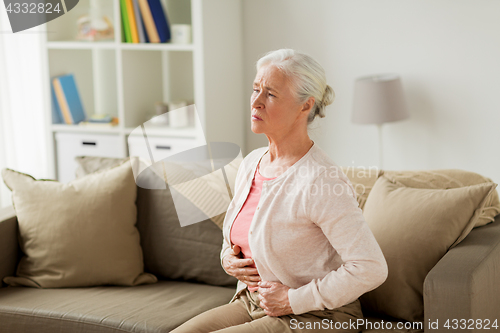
{"x":190,"y":253}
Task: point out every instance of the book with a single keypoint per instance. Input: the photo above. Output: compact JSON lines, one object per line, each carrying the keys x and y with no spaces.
{"x":126,"y":26}
{"x":145,"y":32}
{"x":68,"y":99}
{"x":149,"y":23}
{"x":100,"y":118}
{"x":56,"y":112}
{"x":160,"y":19}
{"x":112,"y":123}
{"x":131,"y":21}
{"x":138,"y":20}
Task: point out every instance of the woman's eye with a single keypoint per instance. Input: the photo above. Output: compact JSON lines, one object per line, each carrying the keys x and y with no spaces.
{"x":255,"y":90}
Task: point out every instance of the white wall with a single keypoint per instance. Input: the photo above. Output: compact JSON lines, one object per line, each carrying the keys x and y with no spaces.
{"x":446,"y":51}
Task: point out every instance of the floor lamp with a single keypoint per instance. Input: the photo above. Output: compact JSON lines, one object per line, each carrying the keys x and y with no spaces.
{"x":379,"y":99}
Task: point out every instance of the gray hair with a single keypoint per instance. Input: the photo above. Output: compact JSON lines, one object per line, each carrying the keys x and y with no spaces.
{"x":306,"y":75}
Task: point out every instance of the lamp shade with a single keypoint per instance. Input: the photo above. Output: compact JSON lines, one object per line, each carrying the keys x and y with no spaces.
{"x":378,"y":99}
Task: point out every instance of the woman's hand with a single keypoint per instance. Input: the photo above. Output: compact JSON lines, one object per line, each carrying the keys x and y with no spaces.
{"x":235,"y":266}
{"x":273,"y":298}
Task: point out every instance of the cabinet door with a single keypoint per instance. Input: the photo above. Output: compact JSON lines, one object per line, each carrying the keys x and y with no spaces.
{"x":70,"y":145}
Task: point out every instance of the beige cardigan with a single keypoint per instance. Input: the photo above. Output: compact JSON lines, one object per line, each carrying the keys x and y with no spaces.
{"x":308,"y":233}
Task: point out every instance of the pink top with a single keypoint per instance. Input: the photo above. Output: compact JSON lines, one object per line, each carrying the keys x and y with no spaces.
{"x":241,"y":225}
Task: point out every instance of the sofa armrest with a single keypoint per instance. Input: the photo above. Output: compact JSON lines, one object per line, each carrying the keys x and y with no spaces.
{"x":8,"y":242}
{"x":464,"y":284}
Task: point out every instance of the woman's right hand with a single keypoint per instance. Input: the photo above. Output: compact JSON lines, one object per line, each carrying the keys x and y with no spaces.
{"x":235,"y":266}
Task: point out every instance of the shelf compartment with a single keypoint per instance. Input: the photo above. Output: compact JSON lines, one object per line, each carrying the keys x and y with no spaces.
{"x":105,"y":85}
{"x":151,"y":77}
{"x":178,"y":12}
{"x":64,"y":28}
{"x":142,"y":85}
{"x":78,"y":62}
{"x":178,"y":76}
{"x":95,"y":76}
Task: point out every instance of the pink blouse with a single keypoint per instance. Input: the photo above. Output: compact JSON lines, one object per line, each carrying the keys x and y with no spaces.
{"x":241,"y":225}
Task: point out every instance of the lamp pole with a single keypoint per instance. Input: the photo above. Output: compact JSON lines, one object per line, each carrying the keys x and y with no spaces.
{"x":380,"y":147}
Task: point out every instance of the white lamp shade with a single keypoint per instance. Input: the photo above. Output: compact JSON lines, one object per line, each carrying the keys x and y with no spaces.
{"x":378,"y":99}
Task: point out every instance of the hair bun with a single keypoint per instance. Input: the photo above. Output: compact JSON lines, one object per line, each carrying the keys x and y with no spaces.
{"x":328,"y":96}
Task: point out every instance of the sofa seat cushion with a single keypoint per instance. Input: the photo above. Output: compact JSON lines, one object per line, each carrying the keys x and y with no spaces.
{"x":156,"y":307}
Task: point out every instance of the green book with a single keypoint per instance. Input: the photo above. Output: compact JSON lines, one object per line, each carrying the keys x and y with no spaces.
{"x":126,"y":24}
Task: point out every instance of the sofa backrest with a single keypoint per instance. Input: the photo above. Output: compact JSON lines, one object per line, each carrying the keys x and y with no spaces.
{"x":190,"y":253}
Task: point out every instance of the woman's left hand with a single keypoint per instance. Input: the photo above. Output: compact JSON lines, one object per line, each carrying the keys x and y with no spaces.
{"x":273,"y":298}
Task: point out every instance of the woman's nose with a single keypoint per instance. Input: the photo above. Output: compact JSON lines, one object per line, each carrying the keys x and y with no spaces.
{"x":256,"y":101}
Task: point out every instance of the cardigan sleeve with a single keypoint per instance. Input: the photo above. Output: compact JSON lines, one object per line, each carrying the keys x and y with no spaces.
{"x":363,"y":265}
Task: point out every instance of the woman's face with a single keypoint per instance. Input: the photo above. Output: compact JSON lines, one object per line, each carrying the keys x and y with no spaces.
{"x":275,"y":109}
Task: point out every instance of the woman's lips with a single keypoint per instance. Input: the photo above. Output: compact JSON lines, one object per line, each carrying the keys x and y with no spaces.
{"x":254,"y":117}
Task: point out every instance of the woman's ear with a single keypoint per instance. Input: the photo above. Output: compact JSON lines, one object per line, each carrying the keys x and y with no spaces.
{"x":308,"y":105}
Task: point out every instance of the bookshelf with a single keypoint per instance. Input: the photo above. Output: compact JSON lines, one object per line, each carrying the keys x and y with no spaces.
{"x":125,"y":80}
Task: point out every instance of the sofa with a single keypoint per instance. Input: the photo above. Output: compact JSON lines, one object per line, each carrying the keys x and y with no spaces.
{"x":462,"y":285}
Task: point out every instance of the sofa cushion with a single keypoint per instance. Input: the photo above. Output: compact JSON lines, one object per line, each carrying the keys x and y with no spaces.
{"x":446,"y":179}
{"x":189,"y":253}
{"x":414,"y":228}
{"x":77,"y":234}
{"x":157,"y":308}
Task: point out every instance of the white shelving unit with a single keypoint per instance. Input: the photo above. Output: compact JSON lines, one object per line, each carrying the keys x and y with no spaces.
{"x":125,"y":80}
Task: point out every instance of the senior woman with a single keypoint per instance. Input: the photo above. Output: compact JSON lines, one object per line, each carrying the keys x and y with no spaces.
{"x":294,"y":235}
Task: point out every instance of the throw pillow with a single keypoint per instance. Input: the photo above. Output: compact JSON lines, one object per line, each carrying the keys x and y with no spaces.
{"x":415,"y":228}
{"x":190,"y":253}
{"x":91,"y":164}
{"x":77,"y":234}
{"x":446,"y":179}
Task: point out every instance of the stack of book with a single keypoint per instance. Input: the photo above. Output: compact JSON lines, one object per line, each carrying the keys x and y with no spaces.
{"x":144,"y":21}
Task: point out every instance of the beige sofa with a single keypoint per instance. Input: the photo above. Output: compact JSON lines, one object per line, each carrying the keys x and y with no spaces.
{"x":463,"y":284}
